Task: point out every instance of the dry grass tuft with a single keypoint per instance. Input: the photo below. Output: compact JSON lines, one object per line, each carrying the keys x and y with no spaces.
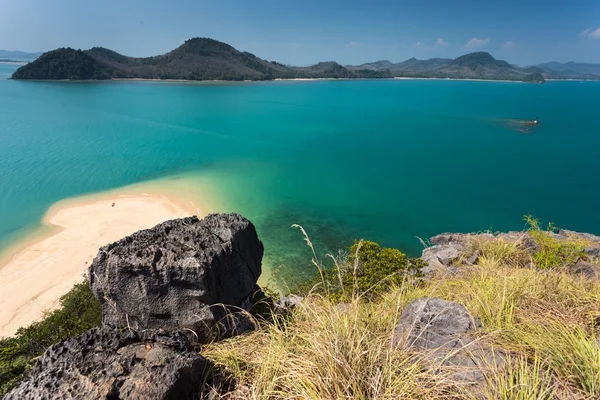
{"x":327,"y":351}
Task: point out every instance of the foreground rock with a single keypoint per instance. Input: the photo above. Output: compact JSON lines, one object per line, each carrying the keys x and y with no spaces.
{"x":186,"y":274}
{"x":105,"y":364}
{"x":442,"y":331}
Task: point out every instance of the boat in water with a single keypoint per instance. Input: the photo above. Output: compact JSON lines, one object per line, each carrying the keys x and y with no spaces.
{"x":532,"y":122}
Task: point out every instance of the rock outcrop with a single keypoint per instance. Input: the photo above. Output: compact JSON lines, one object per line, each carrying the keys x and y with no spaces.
{"x":156,"y":287}
{"x":186,"y":274}
{"x":104,"y":363}
{"x":450,"y":251}
{"x":442,"y":331}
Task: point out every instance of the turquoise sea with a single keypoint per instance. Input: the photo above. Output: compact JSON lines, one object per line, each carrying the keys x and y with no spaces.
{"x":385,"y":160}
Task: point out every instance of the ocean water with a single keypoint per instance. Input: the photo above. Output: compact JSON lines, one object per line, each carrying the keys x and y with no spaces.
{"x":388,"y":160}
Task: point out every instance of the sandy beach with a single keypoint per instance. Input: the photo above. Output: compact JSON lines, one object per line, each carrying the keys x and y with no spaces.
{"x":38,"y":273}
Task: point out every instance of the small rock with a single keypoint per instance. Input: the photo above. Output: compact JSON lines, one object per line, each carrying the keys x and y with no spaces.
{"x":564,"y":233}
{"x":473,"y":259}
{"x":288,"y":303}
{"x":441,"y":330}
{"x":439,"y":257}
{"x":586,"y":269}
{"x":593,"y":253}
{"x":459,"y":239}
{"x":104,"y":363}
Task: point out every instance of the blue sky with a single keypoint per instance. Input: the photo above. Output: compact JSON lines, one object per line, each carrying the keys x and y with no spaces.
{"x":303,"y":32}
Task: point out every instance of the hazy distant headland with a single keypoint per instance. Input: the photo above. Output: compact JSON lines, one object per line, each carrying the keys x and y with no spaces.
{"x":16,"y":54}
{"x":206,"y":59}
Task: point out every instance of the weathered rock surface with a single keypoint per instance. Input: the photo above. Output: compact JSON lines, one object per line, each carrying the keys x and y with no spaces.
{"x":586,"y":269}
{"x":428,"y":323}
{"x":442,"y":331}
{"x":450,"y":251}
{"x":186,"y":274}
{"x":105,"y":364}
{"x":446,"y":250}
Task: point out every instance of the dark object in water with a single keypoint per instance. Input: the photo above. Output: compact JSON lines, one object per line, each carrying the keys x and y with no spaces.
{"x":531,"y":122}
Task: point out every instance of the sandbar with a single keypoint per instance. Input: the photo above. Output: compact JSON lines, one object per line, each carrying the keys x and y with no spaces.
{"x":38,"y":273}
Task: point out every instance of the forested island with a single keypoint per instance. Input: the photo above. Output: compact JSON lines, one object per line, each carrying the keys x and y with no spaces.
{"x":207,"y":59}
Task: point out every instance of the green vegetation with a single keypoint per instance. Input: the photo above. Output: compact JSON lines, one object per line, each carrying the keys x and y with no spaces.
{"x":208,"y":59}
{"x":552,"y":252}
{"x":366,"y":271}
{"x":79,"y":312}
{"x":336,"y":343}
{"x":196,"y":59}
{"x":535,"y":77}
{"x":479,"y":59}
{"x":546,"y":320}
{"x":64,"y":64}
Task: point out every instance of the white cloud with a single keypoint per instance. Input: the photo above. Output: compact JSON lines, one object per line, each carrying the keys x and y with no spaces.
{"x":509,"y":45}
{"x":476,"y":43}
{"x":595,"y":34}
{"x":352,"y":44}
{"x":440,"y":43}
{"x":591,"y":33}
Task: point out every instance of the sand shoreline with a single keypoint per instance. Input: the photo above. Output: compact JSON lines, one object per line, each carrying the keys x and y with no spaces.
{"x":37,"y":270}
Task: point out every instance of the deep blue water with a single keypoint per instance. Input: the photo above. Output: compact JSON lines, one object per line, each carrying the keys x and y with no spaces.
{"x":381,"y":160}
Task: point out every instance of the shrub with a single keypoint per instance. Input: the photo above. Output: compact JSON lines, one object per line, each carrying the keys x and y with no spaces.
{"x":370,"y":269}
{"x":366,"y":271}
{"x":553,"y":253}
{"x":79,"y":312}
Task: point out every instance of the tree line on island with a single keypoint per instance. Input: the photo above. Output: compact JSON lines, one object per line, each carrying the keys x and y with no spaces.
{"x":207,"y":59}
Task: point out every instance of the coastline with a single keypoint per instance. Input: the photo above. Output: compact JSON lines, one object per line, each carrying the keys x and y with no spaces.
{"x":39,"y":268}
{"x":233,"y":82}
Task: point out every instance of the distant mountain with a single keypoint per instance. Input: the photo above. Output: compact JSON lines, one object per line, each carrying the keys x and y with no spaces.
{"x":571,"y":70}
{"x":208,"y":59}
{"x":533,"y":70}
{"x":196,"y":59}
{"x":413,"y":64}
{"x":478,"y":65}
{"x":7,"y":54}
{"x":374,"y":66}
{"x":331,"y":69}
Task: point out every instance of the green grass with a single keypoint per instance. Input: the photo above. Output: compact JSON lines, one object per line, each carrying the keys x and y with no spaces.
{"x":553,"y":253}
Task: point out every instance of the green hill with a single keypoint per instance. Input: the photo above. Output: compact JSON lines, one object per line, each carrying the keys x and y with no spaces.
{"x":208,"y":59}
{"x":65,"y":63}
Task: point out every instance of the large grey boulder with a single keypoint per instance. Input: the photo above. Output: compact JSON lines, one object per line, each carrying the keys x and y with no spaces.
{"x":185,"y":274}
{"x":106,"y":364}
{"x":430,"y":323}
{"x":442,"y":332}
